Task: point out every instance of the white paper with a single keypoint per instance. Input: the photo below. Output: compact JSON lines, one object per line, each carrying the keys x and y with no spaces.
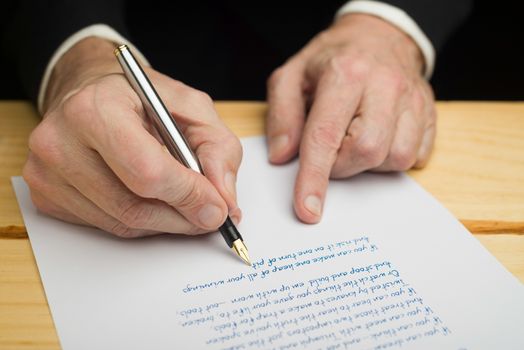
{"x":387,"y":267}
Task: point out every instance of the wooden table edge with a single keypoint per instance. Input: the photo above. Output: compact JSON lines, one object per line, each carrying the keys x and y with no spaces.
{"x":473,"y":226}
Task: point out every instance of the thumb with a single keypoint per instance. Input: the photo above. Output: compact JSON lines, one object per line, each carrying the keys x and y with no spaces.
{"x":216,"y":147}
{"x":220,"y":154}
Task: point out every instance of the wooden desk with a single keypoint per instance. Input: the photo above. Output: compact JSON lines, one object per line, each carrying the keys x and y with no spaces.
{"x":476,"y":171}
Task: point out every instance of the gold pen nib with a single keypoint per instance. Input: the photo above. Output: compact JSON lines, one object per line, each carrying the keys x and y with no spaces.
{"x":241,"y":250}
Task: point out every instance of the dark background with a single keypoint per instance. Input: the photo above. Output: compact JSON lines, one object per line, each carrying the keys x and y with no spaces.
{"x":483,"y":60}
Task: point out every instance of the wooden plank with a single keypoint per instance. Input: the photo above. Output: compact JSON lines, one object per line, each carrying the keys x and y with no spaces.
{"x":477,"y":168}
{"x":25,"y":320}
{"x":17,"y":119}
{"x":508,"y":249}
{"x":476,"y":171}
{"x":493,"y":226}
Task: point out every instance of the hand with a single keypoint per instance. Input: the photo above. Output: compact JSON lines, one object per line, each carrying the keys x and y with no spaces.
{"x":96,"y":160}
{"x":351,"y":100}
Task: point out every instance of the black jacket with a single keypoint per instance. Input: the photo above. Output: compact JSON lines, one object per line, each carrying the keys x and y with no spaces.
{"x":226,"y":48}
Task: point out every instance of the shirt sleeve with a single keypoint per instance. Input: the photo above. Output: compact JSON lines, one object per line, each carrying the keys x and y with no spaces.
{"x":97,"y":30}
{"x":429,"y":23}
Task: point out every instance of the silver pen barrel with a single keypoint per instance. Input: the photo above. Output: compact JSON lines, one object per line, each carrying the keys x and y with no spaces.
{"x":173,"y":138}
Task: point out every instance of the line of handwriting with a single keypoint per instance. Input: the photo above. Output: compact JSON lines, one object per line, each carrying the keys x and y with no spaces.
{"x":301,"y":258}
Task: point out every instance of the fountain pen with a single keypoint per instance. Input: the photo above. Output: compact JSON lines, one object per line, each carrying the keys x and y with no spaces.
{"x":173,"y":138}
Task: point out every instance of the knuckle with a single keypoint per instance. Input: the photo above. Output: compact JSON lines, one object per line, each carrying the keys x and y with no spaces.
{"x":171,"y":86}
{"x":44,"y":143}
{"x":121,"y":230}
{"x":402,"y":157}
{"x":143,"y":176}
{"x":41,"y":204}
{"x":396,"y":80}
{"x":318,"y":174}
{"x":418,"y":100}
{"x":80,"y":104}
{"x":324,"y":37}
{"x":432,"y":116}
{"x":428,"y":90}
{"x":371,"y":150}
{"x":176,"y":85}
{"x":235,"y":148}
{"x":36,"y":178}
{"x":133,"y":213}
{"x":239,"y":151}
{"x":276,"y":77}
{"x":340,"y":170}
{"x":200,"y":97}
{"x":325,"y":135}
{"x":188,"y":196}
{"x":356,"y":67}
{"x":195,"y":230}
{"x":31,"y":177}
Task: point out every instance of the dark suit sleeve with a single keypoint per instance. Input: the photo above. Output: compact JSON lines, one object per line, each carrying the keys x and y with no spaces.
{"x":38,"y":27}
{"x":438,"y":19}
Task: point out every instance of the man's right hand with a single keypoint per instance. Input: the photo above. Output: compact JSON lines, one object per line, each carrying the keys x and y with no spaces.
{"x":96,"y":160}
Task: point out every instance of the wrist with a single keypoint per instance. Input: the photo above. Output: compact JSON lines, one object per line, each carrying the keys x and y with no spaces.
{"x":367,"y":26}
{"x":87,"y":60}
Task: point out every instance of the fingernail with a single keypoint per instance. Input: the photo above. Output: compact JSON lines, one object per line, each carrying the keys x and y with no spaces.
{"x":210,"y":215}
{"x":235,"y":219}
{"x":236,"y":215}
{"x":313,"y":204}
{"x":277,"y":145}
{"x":230,"y":181}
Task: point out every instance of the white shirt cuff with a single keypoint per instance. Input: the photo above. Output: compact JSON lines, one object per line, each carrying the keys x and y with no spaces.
{"x":98,"y":30}
{"x":398,"y":18}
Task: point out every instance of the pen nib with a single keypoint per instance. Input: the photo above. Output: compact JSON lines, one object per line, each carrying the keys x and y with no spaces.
{"x":241,"y":250}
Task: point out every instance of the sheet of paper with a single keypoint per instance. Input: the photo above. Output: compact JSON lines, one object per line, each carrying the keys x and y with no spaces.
{"x":387,"y":268}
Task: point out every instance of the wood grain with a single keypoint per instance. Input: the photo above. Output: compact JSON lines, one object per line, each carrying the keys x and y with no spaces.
{"x":476,"y":171}
{"x":17,"y":119}
{"x":25,"y":320}
{"x":477,"y":168}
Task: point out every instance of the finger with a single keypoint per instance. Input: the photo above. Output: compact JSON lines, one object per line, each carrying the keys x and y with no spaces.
{"x":428,"y":139}
{"x":333,"y":108}
{"x":139,"y":160}
{"x":426,"y":146}
{"x":370,"y":135}
{"x":217,"y":148}
{"x":220,"y":163}
{"x":116,"y":200}
{"x":406,"y":142}
{"x":58,"y":159}
{"x":89,"y":212}
{"x":50,"y":189}
{"x":50,"y":208}
{"x":409,"y":132}
{"x":34,"y":174}
{"x":286,"y":112}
